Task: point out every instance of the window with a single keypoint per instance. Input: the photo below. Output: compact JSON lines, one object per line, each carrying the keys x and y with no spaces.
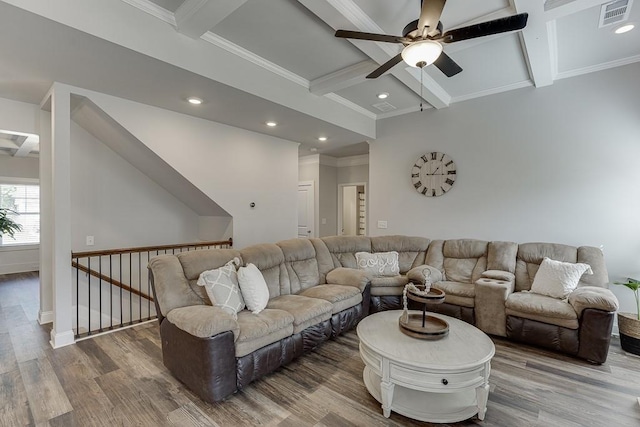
{"x":24,"y":199}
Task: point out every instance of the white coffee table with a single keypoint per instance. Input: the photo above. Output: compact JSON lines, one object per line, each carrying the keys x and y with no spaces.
{"x":439,"y":381}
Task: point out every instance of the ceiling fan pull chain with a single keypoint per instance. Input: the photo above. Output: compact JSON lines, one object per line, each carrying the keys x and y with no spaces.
{"x":421,"y":71}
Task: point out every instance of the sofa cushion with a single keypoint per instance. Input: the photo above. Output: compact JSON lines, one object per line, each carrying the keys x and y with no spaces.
{"x":269,"y":259}
{"x":411,"y":250}
{"x":459,"y":270}
{"x":341,"y":297}
{"x":301,"y":263}
{"x":388,"y":285}
{"x":195,"y":262}
{"x":343,"y":249}
{"x":305,"y":311}
{"x":542,"y":309}
{"x":203,"y":321}
{"x":222,"y":287}
{"x":254,"y":288}
{"x":258,"y":330}
{"x":558,"y":279}
{"x":388,"y":282}
{"x":467,"y":290}
{"x":381,"y":264}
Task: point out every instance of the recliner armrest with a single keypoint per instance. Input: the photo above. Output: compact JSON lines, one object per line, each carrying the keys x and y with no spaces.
{"x":203,"y":321}
{"x":593,"y":297}
{"x":416,"y":274}
{"x":349,"y":277}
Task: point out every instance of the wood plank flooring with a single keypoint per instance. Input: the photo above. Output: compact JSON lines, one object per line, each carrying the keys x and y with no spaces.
{"x":119,"y":380}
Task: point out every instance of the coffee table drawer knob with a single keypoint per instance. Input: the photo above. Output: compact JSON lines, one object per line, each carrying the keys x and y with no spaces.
{"x":444,"y":381}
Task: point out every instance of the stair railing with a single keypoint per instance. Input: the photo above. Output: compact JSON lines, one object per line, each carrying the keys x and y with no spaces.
{"x":112,"y":288}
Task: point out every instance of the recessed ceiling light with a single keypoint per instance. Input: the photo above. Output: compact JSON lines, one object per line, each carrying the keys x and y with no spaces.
{"x":272,"y":124}
{"x":322,"y":138}
{"x":624,"y":29}
{"x":383,"y":95}
{"x":195,"y":101}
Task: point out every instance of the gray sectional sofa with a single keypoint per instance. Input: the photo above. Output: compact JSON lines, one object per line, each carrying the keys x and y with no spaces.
{"x":317,"y":292}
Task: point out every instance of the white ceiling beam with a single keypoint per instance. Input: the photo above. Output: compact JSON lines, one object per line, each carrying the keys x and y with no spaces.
{"x":538,"y":43}
{"x":556,"y":9}
{"x":346,"y":13}
{"x":196,"y":17}
{"x":28,"y":145}
{"x":343,"y":78}
{"x":7,"y":143}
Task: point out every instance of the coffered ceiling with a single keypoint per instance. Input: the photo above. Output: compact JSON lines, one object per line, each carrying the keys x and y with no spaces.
{"x":256,"y":60}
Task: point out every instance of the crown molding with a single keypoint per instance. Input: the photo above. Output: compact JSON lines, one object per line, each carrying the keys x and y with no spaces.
{"x":353,"y":106}
{"x":493,"y":91}
{"x":252,"y":57}
{"x":153,"y":9}
{"x":403,"y":111}
{"x":598,"y":67}
{"x":360,"y":160}
{"x":312,"y":159}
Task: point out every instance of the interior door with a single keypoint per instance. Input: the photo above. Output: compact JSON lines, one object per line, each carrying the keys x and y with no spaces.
{"x":306,"y":206}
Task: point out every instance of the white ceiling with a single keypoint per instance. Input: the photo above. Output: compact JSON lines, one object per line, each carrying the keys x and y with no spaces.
{"x":257,"y":60}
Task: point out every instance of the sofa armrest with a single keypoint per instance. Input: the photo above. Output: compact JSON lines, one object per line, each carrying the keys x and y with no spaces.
{"x":203,"y":321}
{"x":349,"y":277}
{"x":593,"y":297}
{"x":499,"y":275}
{"x":491,"y":295}
{"x":416,"y":274}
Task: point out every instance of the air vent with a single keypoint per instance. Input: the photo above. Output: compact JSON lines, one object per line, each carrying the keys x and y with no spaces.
{"x":614,"y":12}
{"x":385,"y":107}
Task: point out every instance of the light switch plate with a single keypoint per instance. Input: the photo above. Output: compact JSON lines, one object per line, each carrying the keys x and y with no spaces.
{"x":382,"y":224}
{"x":90,"y":241}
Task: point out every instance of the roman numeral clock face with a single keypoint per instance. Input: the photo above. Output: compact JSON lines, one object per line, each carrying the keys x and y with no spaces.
{"x":433,"y":174}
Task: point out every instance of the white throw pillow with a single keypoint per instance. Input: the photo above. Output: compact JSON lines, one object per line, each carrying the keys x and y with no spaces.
{"x":379,"y":264}
{"x":254,"y":288}
{"x":222,"y":288}
{"x":558,"y":279}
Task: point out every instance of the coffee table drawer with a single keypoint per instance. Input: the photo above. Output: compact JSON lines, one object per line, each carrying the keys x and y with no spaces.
{"x":437,"y":381}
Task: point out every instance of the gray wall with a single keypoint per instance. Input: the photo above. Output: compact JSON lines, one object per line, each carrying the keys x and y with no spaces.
{"x":328,"y":201}
{"x":555,"y":164}
{"x":119,"y":205}
{"x":19,"y":167}
{"x":351,"y":174}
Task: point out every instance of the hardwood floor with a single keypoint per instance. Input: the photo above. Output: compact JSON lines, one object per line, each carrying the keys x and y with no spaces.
{"x":119,"y":380}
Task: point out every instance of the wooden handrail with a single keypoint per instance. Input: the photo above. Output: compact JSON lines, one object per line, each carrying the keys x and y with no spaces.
{"x":149,"y":248}
{"x":110,"y":280}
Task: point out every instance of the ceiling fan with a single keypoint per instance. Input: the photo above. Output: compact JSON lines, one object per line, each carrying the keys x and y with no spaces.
{"x":423,"y":38}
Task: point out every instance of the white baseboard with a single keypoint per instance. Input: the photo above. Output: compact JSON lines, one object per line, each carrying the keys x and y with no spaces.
{"x":45,"y":317}
{"x":19,"y":268}
{"x":62,"y":339}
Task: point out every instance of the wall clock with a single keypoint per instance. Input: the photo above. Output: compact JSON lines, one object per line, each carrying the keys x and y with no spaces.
{"x":433,"y":174}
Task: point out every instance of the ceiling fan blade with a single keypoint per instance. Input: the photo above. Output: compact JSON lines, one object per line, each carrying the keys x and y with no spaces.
{"x":430,"y":15}
{"x":345,"y":34}
{"x":447,"y":65}
{"x":385,"y":67}
{"x":502,"y":25}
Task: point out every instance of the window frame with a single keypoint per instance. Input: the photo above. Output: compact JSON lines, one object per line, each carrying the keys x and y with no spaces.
{"x":13,"y":180}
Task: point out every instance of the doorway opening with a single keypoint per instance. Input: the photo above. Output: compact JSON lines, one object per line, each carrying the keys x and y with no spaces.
{"x":352,"y":209}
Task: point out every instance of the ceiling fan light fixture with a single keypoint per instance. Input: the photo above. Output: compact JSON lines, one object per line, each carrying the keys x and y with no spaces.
{"x":421,"y":53}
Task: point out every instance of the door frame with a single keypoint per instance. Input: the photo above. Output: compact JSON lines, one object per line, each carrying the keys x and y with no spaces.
{"x":313,"y":206}
{"x":366,"y":204}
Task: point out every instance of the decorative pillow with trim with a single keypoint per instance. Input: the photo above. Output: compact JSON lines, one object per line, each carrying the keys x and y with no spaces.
{"x":222,"y":287}
{"x":558,"y":279}
{"x":253,"y":287}
{"x":379,"y":264}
